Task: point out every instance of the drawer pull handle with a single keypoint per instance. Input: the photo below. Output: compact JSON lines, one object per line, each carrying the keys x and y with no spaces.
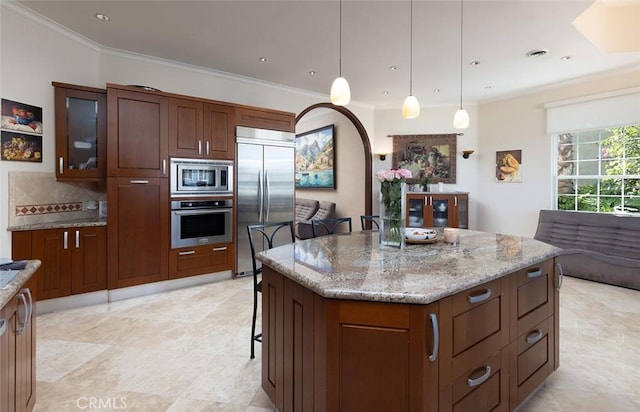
{"x":187,"y":252}
{"x":219,"y":249}
{"x":534,"y":273}
{"x":138,"y":182}
{"x":480,"y":297}
{"x":534,"y":336}
{"x":560,"y":275}
{"x":475,"y":382}
{"x":3,"y":326}
{"x":436,"y":337}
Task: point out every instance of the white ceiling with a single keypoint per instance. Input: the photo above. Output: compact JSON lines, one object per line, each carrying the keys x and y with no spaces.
{"x":298,"y":36}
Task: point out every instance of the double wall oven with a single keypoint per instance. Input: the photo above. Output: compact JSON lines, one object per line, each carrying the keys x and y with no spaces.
{"x":201,"y":203}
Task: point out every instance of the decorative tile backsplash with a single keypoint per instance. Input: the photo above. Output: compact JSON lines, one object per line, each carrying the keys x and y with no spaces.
{"x":37,"y":197}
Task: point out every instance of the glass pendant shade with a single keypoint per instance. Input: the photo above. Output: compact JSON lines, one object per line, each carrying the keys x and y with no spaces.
{"x":410,"y":108}
{"x":340,"y":92}
{"x":461,"y":119}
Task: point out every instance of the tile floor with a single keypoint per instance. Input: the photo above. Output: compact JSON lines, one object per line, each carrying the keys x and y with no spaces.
{"x":187,"y":350}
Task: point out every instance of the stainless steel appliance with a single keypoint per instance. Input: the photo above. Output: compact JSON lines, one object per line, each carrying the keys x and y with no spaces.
{"x":201,"y":222}
{"x":264,"y":186}
{"x":201,"y":177}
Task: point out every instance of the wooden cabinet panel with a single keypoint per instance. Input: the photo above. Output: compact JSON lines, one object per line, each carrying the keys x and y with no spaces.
{"x":89,"y":273}
{"x":138,"y":238}
{"x":273,"y":336}
{"x":53,"y":248}
{"x":532,"y":301}
{"x":137,"y":143}
{"x":437,"y":210}
{"x":199,"y":260}
{"x":266,"y":119}
{"x":219,"y":135}
{"x":8,"y":356}
{"x":81,"y":132}
{"x":483,"y":387}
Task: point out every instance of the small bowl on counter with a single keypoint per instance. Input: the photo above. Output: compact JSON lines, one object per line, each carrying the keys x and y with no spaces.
{"x":417,"y":233}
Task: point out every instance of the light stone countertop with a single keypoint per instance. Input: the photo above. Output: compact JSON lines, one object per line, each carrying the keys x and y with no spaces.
{"x":355,"y":266}
{"x":88,"y":222}
{"x":10,"y":289}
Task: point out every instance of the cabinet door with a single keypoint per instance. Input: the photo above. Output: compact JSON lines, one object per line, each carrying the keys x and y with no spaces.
{"x":462,"y":211}
{"x":416,"y":210}
{"x":26,"y":350}
{"x":185,"y":128}
{"x":138,"y":231}
{"x":442,"y":210}
{"x":53,"y":248}
{"x":8,"y":356}
{"x":81,"y":132}
{"x":199,"y":260}
{"x":218,"y":131}
{"x":266,"y":119}
{"x":89,"y":259}
{"x":137,"y":134}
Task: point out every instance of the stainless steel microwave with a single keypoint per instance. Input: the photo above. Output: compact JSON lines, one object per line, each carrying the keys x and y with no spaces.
{"x":201,"y":177}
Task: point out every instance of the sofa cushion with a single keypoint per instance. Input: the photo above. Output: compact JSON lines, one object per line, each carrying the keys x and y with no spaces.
{"x":305,"y":208}
{"x":326,"y":210}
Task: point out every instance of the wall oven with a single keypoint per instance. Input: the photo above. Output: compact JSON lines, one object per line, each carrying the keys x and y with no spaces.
{"x":201,"y":177}
{"x":201,"y":222}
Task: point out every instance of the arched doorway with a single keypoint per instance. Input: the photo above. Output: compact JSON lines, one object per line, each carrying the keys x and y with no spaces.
{"x":365,"y":144}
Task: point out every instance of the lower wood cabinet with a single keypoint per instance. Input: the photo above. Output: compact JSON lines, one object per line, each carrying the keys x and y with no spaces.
{"x":74,"y":260}
{"x":18,"y":351}
{"x":202,"y":259}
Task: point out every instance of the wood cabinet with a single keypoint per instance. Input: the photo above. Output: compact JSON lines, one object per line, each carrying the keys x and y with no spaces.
{"x":265,"y":119}
{"x":202,"y":259}
{"x":17,"y":351}
{"x":437,"y":210}
{"x":199,"y":129}
{"x":81,"y":132}
{"x":137,"y":144}
{"x":74,"y":260}
{"x":138,"y":239}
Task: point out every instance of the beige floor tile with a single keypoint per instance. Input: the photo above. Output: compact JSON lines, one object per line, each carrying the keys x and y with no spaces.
{"x":57,"y":358}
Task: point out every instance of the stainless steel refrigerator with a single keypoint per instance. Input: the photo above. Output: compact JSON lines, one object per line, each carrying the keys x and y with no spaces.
{"x":265,"y":185}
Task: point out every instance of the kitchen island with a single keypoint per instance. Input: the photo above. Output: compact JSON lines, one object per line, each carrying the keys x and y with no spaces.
{"x":349,"y":325}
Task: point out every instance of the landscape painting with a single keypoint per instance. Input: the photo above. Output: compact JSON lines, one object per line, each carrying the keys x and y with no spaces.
{"x":315,"y":159}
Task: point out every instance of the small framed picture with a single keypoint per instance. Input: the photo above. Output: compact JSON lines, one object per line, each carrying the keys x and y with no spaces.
{"x":21,"y":117}
{"x":315,"y":159}
{"x":21,"y":147}
{"x":509,"y":166}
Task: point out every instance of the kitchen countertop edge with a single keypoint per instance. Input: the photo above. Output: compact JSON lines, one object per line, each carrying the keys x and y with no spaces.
{"x":9,"y":290}
{"x":59,"y":225}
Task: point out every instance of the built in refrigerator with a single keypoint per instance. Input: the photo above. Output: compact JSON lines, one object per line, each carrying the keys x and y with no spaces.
{"x":265,"y":185}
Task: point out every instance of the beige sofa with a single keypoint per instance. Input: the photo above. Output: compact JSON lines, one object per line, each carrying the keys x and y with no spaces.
{"x":309,"y":209}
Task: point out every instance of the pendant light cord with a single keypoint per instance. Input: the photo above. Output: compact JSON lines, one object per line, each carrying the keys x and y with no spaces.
{"x":461,"y":44}
{"x":340,"y":43}
{"x":411,"y":50}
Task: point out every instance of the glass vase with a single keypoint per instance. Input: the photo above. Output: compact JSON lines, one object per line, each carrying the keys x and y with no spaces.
{"x":392,"y":213}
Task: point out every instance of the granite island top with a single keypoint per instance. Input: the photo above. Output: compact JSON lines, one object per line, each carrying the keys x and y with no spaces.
{"x":354,"y":266}
{"x":61,"y":224}
{"x":18,"y":281}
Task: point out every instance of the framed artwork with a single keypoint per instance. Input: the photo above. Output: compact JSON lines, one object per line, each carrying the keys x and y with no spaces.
{"x":20,"y":146}
{"x":21,"y":117}
{"x":433,"y":154}
{"x":315,"y":159}
{"x":509,"y":166}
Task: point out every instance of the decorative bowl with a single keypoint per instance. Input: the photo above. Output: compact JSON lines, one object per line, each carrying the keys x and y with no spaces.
{"x":416,"y":233}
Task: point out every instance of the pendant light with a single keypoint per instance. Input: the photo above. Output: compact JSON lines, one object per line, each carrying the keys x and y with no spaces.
{"x":340,"y":92}
{"x":411,"y":107}
{"x":461,"y":118}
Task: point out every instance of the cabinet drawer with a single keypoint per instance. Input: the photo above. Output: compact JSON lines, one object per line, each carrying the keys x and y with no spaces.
{"x":200,"y":260}
{"x":483,"y":387}
{"x":531,"y":360}
{"x":532,"y":300}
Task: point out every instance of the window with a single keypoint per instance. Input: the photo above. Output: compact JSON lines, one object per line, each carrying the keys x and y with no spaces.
{"x":599,"y":170}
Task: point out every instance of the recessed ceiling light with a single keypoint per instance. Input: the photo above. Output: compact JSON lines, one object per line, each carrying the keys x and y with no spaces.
{"x":102,"y":17}
{"x":436,"y":90}
{"x":263,"y":59}
{"x":313,"y":73}
{"x":537,"y":53}
{"x":393,"y":67}
{"x":567,"y":57}
{"x":385,"y":92}
{"x":474,"y":62}
{"x":488,"y":87}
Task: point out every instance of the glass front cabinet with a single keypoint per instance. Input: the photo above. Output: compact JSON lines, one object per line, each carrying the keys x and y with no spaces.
{"x":438,"y":210}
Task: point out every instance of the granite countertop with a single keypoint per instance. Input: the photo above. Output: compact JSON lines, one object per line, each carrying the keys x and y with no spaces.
{"x":18,"y":281}
{"x":59,"y":224}
{"x":355,"y":266}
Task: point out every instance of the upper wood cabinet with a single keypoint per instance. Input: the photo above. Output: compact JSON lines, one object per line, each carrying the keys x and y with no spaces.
{"x":81,"y":132}
{"x":200,"y":130}
{"x":266,"y":119}
{"x":137,"y":133}
{"x":438,"y":210}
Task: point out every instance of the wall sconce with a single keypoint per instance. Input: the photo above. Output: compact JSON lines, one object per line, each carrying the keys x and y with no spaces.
{"x":466,"y":153}
{"x":382,"y":156}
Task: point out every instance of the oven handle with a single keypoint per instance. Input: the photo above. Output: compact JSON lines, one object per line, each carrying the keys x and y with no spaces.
{"x":200,"y":211}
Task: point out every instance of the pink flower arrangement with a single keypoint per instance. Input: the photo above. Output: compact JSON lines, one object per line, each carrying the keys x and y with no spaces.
{"x":393,"y":174}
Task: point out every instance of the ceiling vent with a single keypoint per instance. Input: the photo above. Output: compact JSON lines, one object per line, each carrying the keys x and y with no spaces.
{"x":537,"y":53}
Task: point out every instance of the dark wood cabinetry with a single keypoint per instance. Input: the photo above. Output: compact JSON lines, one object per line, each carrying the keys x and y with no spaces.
{"x":438,"y":210}
{"x":18,"y":351}
{"x":138,"y":239}
{"x":265,"y":119}
{"x":81,"y":132}
{"x":202,"y":259}
{"x":199,"y":129}
{"x":137,"y":138}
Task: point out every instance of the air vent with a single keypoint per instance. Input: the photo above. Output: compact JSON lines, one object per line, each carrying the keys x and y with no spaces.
{"x":537,"y":53}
